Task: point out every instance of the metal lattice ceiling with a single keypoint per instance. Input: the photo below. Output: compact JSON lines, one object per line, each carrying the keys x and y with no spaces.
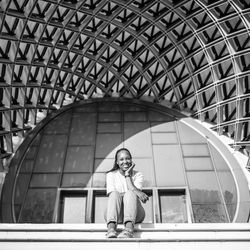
{"x":191,"y":54}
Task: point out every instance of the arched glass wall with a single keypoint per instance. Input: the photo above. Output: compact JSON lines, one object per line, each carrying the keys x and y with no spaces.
{"x":60,"y":175}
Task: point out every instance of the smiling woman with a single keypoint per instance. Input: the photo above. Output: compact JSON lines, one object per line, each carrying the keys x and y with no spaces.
{"x":124,"y":186}
{"x":59,"y":172}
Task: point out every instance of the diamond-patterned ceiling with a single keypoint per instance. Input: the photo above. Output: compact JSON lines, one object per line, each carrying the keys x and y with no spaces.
{"x":193,"y":55}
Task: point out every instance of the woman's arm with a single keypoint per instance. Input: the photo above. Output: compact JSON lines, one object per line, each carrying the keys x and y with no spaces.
{"x":128,"y":175}
{"x":110,"y":183}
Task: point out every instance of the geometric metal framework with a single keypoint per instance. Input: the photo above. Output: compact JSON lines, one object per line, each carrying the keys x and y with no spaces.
{"x":192,"y":55}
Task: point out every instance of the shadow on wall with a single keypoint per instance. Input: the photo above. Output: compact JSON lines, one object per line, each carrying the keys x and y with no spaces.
{"x":75,"y":148}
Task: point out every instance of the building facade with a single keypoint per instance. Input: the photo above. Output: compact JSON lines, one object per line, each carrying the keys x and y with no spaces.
{"x":168,"y":79}
{"x":189,"y":174}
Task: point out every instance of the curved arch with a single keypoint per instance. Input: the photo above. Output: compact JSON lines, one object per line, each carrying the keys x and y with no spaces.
{"x":174,"y":57}
{"x":159,"y":116}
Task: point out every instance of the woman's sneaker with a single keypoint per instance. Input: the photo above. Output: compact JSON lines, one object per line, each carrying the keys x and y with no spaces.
{"x":126,"y":233}
{"x":111,"y":233}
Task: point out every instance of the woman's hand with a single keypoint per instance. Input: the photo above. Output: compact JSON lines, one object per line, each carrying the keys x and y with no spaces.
{"x":142,"y":196}
{"x":129,"y":170}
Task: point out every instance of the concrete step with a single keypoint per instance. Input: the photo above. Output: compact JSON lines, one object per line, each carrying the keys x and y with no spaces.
{"x":153,"y":236}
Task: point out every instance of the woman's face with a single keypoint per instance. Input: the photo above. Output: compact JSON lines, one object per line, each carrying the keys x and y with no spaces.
{"x":124,"y":160}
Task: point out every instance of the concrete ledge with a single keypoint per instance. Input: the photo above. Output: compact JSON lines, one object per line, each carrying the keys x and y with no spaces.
{"x":147,"y":237}
{"x":143,"y":232}
{"x":138,"y":227}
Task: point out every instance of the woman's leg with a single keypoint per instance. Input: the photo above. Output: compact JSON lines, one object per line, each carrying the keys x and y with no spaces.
{"x":113,"y":213}
{"x":114,"y":207}
{"x":130,"y":207}
{"x":133,"y":211}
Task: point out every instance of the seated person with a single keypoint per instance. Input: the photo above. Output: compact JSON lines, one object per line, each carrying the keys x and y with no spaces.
{"x":124,"y":186}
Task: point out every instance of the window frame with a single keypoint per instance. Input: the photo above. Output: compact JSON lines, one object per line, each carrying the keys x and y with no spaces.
{"x":91,"y":193}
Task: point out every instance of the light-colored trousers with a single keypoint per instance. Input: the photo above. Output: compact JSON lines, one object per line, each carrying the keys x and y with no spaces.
{"x":124,"y":207}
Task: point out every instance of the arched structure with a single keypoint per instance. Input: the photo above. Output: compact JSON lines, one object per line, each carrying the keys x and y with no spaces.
{"x":191,"y":55}
{"x":58,"y":173}
{"x":187,"y":55}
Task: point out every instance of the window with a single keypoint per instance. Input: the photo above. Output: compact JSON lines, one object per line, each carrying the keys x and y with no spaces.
{"x":100,"y":206}
{"x":89,"y":206}
{"x":73,"y":207}
{"x":173,"y":207}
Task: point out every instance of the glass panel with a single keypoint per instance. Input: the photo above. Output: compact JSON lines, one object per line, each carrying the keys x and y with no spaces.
{"x":156,"y":116}
{"x":36,"y":140}
{"x":39,"y":206}
{"x":164,"y":138}
{"x":209,"y":213}
{"x":109,"y":117}
{"x":219,"y":162}
{"x":74,"y":209}
{"x":137,"y":138}
{"x":204,"y":187}
{"x":21,"y":187}
{"x":31,"y":153}
{"x":103,"y":165}
{"x":132,"y":128}
{"x":189,"y":135}
{"x":100,"y":208}
{"x":228,"y":186}
{"x":59,"y":125}
{"x":168,"y":165}
{"x":44,"y":180}
{"x":113,"y":127}
{"x":79,"y":159}
{"x":132,"y":107}
{"x":85,"y":108}
{"x":206,"y":197}
{"x":76,"y":180}
{"x":198,"y":163}
{"x":195,"y":150}
{"x":145,"y":166}
{"x":27,"y":166}
{"x":99,"y":180}
{"x":83,"y":129}
{"x":172,"y":207}
{"x":107,"y":145}
{"x":51,"y":153}
{"x":162,"y":127}
{"x":229,"y":191}
{"x":135,"y":117}
{"x":112,"y":106}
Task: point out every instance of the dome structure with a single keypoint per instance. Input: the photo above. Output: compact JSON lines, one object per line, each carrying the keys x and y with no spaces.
{"x":189,"y":55}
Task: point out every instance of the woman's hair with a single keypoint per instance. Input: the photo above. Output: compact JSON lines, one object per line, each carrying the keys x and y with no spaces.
{"x":116,"y":166}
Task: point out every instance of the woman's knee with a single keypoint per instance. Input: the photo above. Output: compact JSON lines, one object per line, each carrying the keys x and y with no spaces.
{"x":114,"y":194}
{"x":130,"y":193}
{"x":130,"y":196}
